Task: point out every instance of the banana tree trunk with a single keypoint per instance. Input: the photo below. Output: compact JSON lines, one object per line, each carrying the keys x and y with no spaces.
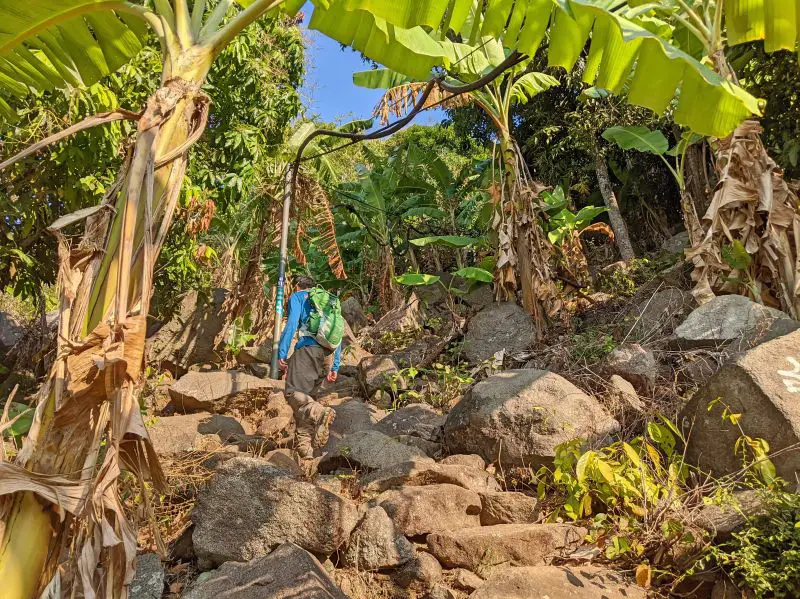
{"x":87,"y":424}
{"x":621,"y":235}
{"x":524,"y":251}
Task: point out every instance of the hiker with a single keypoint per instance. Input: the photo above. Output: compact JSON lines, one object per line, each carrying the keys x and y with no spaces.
{"x":309,"y":363}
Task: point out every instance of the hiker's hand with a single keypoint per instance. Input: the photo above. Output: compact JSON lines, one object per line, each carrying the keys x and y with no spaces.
{"x":332,"y":376}
{"x":283,"y":365}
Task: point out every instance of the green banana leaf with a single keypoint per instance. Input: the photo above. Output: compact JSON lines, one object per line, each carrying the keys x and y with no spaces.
{"x":623,"y":54}
{"x":54,"y":44}
{"x":637,"y":138}
{"x":413,"y":279}
{"x":473,"y":273}
{"x":452,"y":241}
{"x":776,"y":22}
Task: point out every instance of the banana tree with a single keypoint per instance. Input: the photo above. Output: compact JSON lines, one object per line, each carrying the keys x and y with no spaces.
{"x":752,"y":206}
{"x":60,"y":495}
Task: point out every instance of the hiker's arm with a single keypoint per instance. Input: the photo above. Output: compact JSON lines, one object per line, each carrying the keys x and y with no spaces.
{"x":337,"y":358}
{"x":292,"y":322}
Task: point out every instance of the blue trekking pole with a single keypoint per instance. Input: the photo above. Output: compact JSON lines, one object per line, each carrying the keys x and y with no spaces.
{"x":279,"y":292}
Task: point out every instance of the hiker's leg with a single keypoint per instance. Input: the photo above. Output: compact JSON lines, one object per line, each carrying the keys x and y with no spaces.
{"x":312,"y":419}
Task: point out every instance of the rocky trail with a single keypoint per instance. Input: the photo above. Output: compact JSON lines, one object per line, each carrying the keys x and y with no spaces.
{"x":427,"y":487}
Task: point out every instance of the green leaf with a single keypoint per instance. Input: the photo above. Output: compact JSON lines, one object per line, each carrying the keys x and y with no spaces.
{"x":637,"y":138}
{"x":46,"y":44}
{"x":473,"y":273}
{"x":23,"y":425}
{"x":413,"y":279}
{"x":587,"y":214}
{"x":380,"y":79}
{"x":453,"y":241}
{"x":531,"y":84}
{"x":584,"y":462}
{"x":736,"y":256}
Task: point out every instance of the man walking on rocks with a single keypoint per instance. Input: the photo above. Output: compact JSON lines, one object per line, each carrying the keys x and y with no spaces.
{"x":307,"y":367}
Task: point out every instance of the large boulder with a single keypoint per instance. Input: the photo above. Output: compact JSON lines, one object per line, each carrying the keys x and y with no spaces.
{"x":423,"y":571}
{"x":558,"y":582}
{"x":730,"y":319}
{"x":148,"y":583}
{"x":367,"y":450}
{"x":189,"y":338}
{"x":218,"y":391}
{"x":762,"y":386}
{"x":502,"y":326}
{"x":506,"y":544}
{"x":415,"y":420}
{"x":354,"y":314}
{"x":633,"y":363}
{"x":375,"y":543}
{"x":10,"y":332}
{"x":409,"y":316}
{"x":419,"y":510}
{"x":249,"y":507}
{"x":289,"y":572}
{"x":427,"y":472}
{"x":518,"y":417}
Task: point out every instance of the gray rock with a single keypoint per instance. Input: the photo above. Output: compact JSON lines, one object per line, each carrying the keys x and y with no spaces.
{"x":10,"y":332}
{"x":376,"y":372}
{"x":148,"y":583}
{"x":728,"y":319}
{"x":423,"y":571}
{"x":677,"y":243}
{"x":624,"y":397}
{"x":518,"y":417}
{"x":407,"y":317}
{"x":460,"y":459}
{"x":723,"y":520}
{"x":367,"y":450}
{"x":289,"y":572}
{"x":283,"y":459}
{"x":250,"y":507}
{"x":763,"y":387}
{"x":354,"y":314}
{"x":508,"y":544}
{"x":502,"y":326}
{"x":479,"y":298}
{"x":416,"y":419}
{"x":419,"y":510}
{"x":432,"y":449}
{"x":255,"y":354}
{"x":657,"y":316}
{"x":375,"y":543}
{"x":352,"y":416}
{"x":217,"y":391}
{"x":633,"y":363}
{"x":508,"y":508}
{"x":439,"y":591}
{"x":559,"y":582}
{"x":330,"y":482}
{"x":171,"y":435}
{"x":466,"y":580}
{"x":189,"y":337}
{"x":228,"y":428}
{"x":427,"y":472}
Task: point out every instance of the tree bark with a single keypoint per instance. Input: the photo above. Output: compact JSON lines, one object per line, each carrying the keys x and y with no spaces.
{"x":614,"y":215}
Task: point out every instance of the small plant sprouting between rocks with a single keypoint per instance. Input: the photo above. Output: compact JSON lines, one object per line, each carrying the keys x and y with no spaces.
{"x":239,"y":336}
{"x":438,"y":386}
{"x":591,"y":346}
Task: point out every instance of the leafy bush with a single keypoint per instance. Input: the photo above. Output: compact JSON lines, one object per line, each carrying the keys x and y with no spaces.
{"x":765,"y":555}
{"x":591,"y":346}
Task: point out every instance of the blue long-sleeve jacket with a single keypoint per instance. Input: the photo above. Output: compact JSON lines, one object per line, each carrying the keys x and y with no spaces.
{"x":299,"y":312}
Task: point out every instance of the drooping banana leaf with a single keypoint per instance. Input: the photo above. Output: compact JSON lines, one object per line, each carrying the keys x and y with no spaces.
{"x":622,"y":53}
{"x":48,"y":44}
{"x":777,"y":22}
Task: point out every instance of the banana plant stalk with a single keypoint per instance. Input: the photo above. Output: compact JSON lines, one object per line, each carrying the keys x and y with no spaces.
{"x":59,"y":498}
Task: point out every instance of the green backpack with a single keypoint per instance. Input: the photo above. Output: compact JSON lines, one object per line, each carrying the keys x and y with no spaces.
{"x":326,"y":324}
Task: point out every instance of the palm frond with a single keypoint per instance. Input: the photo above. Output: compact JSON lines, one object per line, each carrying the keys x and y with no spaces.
{"x":313,"y":208}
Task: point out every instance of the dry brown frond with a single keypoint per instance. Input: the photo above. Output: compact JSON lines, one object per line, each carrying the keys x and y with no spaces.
{"x":754,"y":206}
{"x":400,"y":100}
{"x":312,"y":206}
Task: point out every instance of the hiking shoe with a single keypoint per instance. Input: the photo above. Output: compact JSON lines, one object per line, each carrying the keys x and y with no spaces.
{"x":303,"y":441}
{"x":323,"y":427}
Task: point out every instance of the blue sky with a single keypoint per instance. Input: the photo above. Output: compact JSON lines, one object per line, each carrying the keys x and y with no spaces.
{"x":329,"y":92}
